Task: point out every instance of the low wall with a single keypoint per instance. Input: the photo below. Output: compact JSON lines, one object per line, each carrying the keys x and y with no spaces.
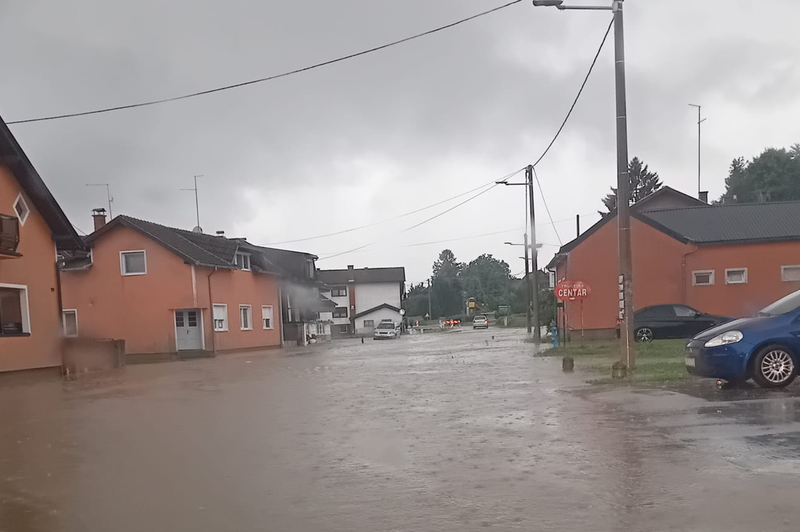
{"x":81,"y":355}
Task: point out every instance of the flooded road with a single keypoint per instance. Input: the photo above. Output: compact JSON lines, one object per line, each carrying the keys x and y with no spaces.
{"x":442,"y":432}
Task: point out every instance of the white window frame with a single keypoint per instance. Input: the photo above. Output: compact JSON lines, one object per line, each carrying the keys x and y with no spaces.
{"x":26,"y":308}
{"x":122,"y":262}
{"x":271,"y":318}
{"x":712,"y":277}
{"x":249,"y":317}
{"x":746,"y":276}
{"x":245,"y":259}
{"x":224,"y":327}
{"x":64,"y":322}
{"x":788,"y":267}
{"x":372,"y":323}
{"x":22,"y":219}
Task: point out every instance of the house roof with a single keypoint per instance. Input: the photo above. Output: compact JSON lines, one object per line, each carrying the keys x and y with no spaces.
{"x":710,"y":225}
{"x":362,"y":275}
{"x":374,"y":309}
{"x":667,"y":197}
{"x":733,"y":223}
{"x":212,"y":251}
{"x":30,"y":181}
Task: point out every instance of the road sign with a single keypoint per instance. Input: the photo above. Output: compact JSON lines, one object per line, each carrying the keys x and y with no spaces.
{"x":572,"y":291}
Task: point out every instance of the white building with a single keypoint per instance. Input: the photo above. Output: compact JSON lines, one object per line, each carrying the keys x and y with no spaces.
{"x":363,"y":297}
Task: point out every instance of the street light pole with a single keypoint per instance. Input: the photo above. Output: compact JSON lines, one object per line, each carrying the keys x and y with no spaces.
{"x":627,"y":354}
{"x":700,"y":121}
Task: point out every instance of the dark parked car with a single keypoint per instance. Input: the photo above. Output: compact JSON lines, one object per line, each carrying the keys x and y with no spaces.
{"x":765,"y":347}
{"x":672,"y":321}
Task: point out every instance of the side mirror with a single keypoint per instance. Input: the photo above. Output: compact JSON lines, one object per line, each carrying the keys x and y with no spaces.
{"x":698,"y":314}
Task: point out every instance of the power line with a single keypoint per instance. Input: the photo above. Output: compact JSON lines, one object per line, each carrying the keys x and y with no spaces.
{"x":575,"y":102}
{"x":420,"y":244}
{"x":509,"y":176}
{"x":268,"y":78}
{"x":462,"y":203}
{"x":546,"y":207}
{"x":399,"y":216}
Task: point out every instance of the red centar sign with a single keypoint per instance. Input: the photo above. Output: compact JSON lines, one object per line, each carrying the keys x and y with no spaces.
{"x":572,"y":290}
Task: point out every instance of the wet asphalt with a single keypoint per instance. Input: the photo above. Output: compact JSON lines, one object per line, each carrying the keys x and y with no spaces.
{"x":441,"y":432}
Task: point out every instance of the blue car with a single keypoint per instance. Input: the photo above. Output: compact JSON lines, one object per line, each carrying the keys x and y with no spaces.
{"x":765,"y":348}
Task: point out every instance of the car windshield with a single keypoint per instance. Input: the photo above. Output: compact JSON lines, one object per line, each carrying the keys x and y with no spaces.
{"x":386,"y":325}
{"x":782,"y":306}
{"x":480,"y":318}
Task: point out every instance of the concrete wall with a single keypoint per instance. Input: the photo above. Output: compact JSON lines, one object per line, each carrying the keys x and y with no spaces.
{"x":371,"y":295}
{"x":764,"y":284}
{"x":84,"y":355}
{"x":36,"y":270}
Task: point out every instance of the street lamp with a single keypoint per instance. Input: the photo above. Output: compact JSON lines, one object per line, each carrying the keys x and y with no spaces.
{"x":628,"y":356}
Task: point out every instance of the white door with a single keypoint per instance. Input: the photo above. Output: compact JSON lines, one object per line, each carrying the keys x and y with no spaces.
{"x":188,"y":332}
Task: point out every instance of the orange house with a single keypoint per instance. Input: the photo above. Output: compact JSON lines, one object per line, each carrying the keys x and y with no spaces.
{"x":164,"y":290}
{"x":729,"y":260}
{"x":32,"y":227}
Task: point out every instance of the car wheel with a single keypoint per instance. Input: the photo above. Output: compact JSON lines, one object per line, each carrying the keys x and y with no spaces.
{"x":644,"y":335}
{"x":774,"y":367}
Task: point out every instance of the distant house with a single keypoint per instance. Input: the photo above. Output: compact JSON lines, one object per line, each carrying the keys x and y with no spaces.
{"x":166,"y":290}
{"x":728,"y":260}
{"x":363,"y":297}
{"x":32,"y":227}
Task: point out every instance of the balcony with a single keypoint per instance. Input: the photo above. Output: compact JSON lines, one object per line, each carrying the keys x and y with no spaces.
{"x":9,"y":237}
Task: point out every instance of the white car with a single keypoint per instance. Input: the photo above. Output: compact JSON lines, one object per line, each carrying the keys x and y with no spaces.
{"x":386,"y":330}
{"x":480,"y":322}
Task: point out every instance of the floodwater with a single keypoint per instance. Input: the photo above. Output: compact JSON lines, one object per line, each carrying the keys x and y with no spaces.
{"x":443,"y":432}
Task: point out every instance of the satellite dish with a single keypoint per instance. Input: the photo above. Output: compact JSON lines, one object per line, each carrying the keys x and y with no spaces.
{"x":197,"y":229}
{"x":402,"y":312}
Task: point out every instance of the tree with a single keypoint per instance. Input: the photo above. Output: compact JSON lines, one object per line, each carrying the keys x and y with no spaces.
{"x":772,"y":176}
{"x":643,"y":183}
{"x":447,"y":265}
{"x":486,"y":279}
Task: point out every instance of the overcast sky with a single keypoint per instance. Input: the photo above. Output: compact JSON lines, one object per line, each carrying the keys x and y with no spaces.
{"x":382,"y":135}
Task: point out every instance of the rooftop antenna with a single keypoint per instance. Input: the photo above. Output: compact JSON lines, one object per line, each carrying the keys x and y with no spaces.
{"x":108,"y":195}
{"x":197,"y":228}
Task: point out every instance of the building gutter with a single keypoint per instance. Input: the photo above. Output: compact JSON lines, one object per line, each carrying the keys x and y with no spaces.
{"x":684,"y":285}
{"x":211,"y":312}
{"x":280,"y":313}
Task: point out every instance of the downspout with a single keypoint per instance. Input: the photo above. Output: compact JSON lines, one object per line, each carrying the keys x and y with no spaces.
{"x":684,"y":284}
{"x":280,"y":313}
{"x":211,"y":313}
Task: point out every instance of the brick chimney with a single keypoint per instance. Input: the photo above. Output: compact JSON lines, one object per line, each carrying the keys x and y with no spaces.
{"x":99,"y":217}
{"x":704,"y":196}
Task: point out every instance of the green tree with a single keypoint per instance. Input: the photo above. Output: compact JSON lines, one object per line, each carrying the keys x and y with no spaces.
{"x":447,"y":265}
{"x":643,"y":183}
{"x":772,"y":176}
{"x":486,"y":279}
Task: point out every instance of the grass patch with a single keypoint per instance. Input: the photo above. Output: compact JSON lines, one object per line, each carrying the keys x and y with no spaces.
{"x":658,"y":362}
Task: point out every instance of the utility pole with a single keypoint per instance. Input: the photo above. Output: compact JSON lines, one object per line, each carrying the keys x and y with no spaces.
{"x":534,"y":287}
{"x":108,"y":196}
{"x":430,"y":313}
{"x":700,"y":121}
{"x":196,"y":199}
{"x":527,"y":285}
{"x":627,"y":354}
